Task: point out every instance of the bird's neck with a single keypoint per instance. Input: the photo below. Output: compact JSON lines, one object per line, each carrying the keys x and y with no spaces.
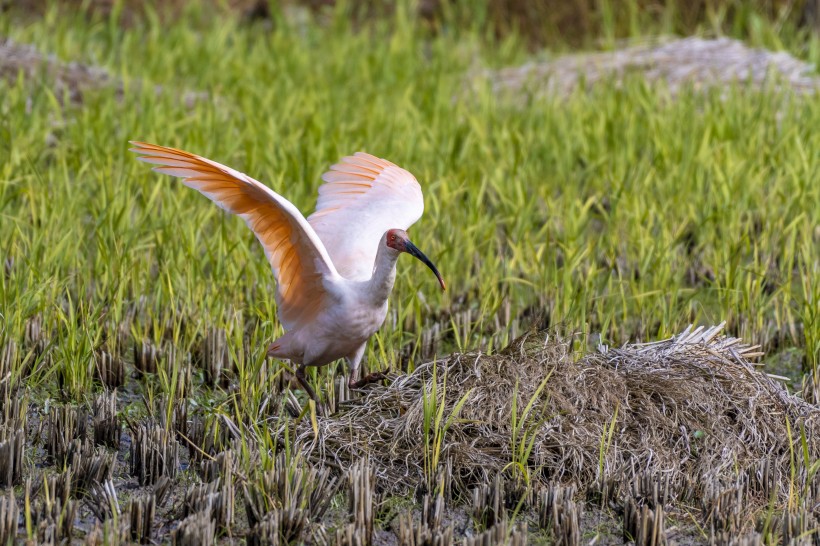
{"x":384,"y":274}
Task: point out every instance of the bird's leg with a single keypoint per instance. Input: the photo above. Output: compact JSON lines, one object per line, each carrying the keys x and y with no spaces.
{"x":353,"y":361}
{"x":300,"y":375}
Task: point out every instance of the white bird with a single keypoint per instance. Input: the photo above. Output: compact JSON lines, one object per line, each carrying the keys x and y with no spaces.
{"x":334,"y":270}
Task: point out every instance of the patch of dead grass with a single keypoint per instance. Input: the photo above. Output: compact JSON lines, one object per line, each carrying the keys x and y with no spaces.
{"x":692,"y":410}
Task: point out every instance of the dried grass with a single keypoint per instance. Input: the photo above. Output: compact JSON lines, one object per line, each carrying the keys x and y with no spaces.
{"x":691,"y":410}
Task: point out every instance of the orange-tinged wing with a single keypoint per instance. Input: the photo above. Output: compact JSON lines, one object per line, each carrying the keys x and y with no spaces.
{"x":362,"y":197}
{"x":297,"y":256}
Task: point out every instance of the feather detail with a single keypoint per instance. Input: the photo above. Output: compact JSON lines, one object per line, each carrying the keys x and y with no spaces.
{"x":298,"y":257}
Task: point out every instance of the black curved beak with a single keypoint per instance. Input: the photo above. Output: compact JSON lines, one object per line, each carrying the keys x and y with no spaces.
{"x":413,"y":250}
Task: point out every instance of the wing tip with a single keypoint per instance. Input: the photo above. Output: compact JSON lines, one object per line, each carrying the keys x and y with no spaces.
{"x":137,"y":146}
{"x":376,"y":160}
{"x":368,"y":155}
{"x":145,"y":148}
{"x":141,"y":144}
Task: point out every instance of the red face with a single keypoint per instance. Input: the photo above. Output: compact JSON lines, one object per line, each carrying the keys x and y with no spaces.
{"x":397,"y":239}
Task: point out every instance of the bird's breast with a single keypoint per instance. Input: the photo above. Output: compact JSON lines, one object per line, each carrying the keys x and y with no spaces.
{"x":359,"y":320}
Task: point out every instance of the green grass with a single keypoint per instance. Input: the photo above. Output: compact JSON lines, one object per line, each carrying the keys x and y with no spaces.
{"x":623,"y":211}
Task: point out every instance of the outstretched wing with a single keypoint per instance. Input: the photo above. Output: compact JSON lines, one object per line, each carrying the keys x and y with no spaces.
{"x":362,"y":197}
{"x":299,"y":260}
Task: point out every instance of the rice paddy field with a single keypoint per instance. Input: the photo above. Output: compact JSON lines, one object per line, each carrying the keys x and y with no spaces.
{"x":525,"y":404}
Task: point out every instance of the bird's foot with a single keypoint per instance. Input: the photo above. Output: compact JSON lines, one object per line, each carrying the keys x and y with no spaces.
{"x":366,"y":380}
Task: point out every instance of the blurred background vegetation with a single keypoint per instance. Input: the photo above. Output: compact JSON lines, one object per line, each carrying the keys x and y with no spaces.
{"x":540,"y":23}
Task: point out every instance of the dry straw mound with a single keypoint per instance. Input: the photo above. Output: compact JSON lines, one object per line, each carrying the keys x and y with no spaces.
{"x":69,"y":80}
{"x":688,"y":62}
{"x":690,"y":411}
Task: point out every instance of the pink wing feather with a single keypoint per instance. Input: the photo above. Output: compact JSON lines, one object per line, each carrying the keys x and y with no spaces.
{"x":362,"y":197}
{"x":297,"y":256}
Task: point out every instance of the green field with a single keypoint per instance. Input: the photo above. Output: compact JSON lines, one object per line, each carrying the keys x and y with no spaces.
{"x":619,"y":213}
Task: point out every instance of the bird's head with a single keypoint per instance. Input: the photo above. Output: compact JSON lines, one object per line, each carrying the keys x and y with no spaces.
{"x":397,"y":239}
